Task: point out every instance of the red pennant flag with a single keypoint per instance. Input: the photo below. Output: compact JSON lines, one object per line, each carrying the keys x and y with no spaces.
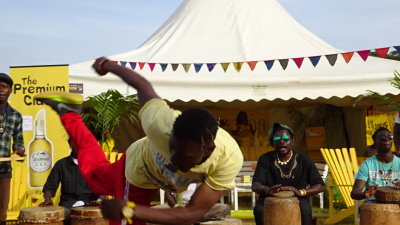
{"x":151,"y":65}
{"x":347,"y":56}
{"x":382,"y":52}
{"x":364,"y":54}
{"x":298,"y":61}
{"x":141,"y":65}
{"x":252,"y":64}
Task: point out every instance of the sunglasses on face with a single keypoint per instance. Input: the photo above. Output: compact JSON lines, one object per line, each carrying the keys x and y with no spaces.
{"x":284,"y":138}
{"x":384,"y":138}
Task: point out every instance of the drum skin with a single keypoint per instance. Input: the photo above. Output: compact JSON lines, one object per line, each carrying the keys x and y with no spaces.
{"x":379,"y":213}
{"x":49,"y":215}
{"x":87,"y":215}
{"x":282,"y":211}
{"x":387,"y":194}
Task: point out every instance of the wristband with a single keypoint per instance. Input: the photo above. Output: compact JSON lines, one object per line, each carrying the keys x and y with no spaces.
{"x":303,"y":192}
{"x":128,"y":210}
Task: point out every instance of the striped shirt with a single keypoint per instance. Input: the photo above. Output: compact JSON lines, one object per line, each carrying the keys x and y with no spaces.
{"x":12,"y":123}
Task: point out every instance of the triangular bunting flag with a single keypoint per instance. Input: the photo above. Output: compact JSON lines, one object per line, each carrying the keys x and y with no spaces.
{"x":269,"y":64}
{"x":252,"y":64}
{"x":298,"y":61}
{"x":284,"y":63}
{"x":364,"y":54}
{"x":123,"y":63}
{"x":331,"y":59}
{"x":347,"y":56}
{"x":315,"y":60}
{"x":397,"y":49}
{"x":382,"y":52}
{"x":151,"y":65}
{"x":238,"y":66}
{"x":163,"y":66}
{"x":210,"y":66}
{"x":141,"y":65}
{"x":133,"y":65}
{"x":114,"y":61}
{"x":225,"y":66}
{"x":197,"y":66}
{"x":174,"y":66}
{"x":186,"y":66}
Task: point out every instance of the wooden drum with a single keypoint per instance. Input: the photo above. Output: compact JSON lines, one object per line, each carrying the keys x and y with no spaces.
{"x":50,"y":215}
{"x":379,"y":213}
{"x":87,"y":215}
{"x":387,"y":194}
{"x":282,"y":211}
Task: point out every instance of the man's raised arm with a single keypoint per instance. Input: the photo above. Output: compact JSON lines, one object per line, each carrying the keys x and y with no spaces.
{"x":144,"y":88}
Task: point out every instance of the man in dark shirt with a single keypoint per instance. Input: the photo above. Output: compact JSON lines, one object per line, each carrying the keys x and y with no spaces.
{"x":10,"y":130}
{"x":74,"y":191}
{"x":285,"y":170}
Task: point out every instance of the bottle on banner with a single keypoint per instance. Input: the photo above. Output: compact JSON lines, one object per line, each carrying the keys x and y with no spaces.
{"x":40,"y":152}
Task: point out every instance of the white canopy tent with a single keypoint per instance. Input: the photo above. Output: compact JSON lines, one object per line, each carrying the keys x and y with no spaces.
{"x":221,"y":31}
{"x":208,"y":31}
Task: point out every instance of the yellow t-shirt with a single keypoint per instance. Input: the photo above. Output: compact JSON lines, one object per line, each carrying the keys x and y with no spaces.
{"x":148,"y":160}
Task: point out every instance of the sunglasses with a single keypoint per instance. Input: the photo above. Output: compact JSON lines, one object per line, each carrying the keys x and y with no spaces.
{"x":384,"y":138}
{"x":284,"y":138}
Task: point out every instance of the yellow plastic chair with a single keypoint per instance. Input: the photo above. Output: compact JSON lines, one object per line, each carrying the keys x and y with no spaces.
{"x":343,"y":166}
{"x":18,"y":189}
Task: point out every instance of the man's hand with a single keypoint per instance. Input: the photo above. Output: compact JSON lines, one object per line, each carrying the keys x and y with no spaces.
{"x":98,"y":66}
{"x":19,"y":151}
{"x":396,"y":185}
{"x":47,"y":202}
{"x":112,"y":209}
{"x":274,"y":189}
{"x":370,"y":191}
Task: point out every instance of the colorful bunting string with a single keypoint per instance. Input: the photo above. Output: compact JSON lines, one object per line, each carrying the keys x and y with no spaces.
{"x":332,"y":59}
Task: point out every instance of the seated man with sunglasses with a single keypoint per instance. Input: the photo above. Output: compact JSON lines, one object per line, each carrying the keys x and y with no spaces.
{"x":285,"y":170}
{"x":382,"y":169}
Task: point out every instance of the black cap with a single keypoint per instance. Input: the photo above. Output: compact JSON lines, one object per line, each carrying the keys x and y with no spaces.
{"x":276,"y":127}
{"x":7,"y":79}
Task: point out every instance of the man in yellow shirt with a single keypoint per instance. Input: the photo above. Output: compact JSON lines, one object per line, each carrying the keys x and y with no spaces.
{"x":179,"y":148}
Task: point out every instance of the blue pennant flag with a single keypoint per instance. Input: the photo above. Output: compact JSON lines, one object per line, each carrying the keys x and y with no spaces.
{"x":269,"y":64}
{"x":315,"y":60}
{"x":123,"y":63}
{"x":397,"y":49}
{"x":211,"y":66}
{"x":163,"y":66}
{"x":197,"y":66}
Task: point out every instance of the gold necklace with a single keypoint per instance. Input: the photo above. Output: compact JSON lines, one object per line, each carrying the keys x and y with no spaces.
{"x":284,"y":162}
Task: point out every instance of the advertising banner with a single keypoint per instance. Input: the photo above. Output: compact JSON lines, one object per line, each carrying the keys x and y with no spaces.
{"x":373,"y":122}
{"x":44,"y":136}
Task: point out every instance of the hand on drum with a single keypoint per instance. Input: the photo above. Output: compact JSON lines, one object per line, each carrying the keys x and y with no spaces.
{"x":112,"y":209}
{"x":396,"y":185}
{"x":273,"y":189}
{"x":47,"y":202}
{"x":290,"y":188}
{"x":370,"y":191}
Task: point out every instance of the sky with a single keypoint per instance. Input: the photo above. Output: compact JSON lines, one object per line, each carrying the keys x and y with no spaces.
{"x":53,"y":32}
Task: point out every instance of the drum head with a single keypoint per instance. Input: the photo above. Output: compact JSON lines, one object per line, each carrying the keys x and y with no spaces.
{"x":283,"y":194}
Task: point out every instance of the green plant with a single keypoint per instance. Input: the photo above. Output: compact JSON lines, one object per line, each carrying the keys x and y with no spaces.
{"x":395,"y":82}
{"x":106,"y":111}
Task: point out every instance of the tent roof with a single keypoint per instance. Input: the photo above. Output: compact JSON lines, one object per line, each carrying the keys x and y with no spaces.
{"x":209,"y":31}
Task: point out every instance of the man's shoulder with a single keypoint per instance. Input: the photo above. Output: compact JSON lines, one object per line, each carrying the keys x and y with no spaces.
{"x":14,"y":111}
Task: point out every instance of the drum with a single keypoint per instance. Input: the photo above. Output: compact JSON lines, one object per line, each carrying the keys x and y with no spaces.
{"x":282,"y":211}
{"x":387,"y":194}
{"x":87,"y":215}
{"x":50,"y":215}
{"x":379,"y":213}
